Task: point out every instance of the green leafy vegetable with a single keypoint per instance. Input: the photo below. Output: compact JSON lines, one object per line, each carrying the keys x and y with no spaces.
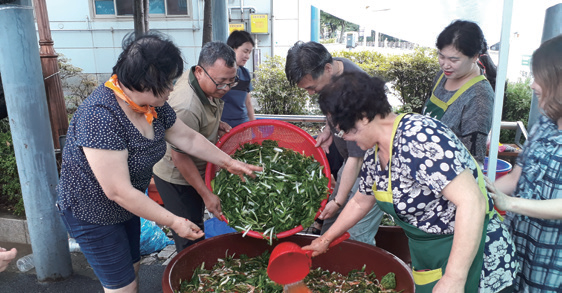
{"x":389,"y":281}
{"x":246,"y":274}
{"x":285,"y":195}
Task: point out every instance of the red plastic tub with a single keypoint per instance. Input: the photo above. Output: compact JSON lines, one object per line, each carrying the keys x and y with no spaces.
{"x":342,"y":258}
{"x":288,"y":136}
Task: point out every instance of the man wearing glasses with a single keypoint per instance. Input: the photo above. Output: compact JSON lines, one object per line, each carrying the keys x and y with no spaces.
{"x":310,"y":66}
{"x":196,"y":99}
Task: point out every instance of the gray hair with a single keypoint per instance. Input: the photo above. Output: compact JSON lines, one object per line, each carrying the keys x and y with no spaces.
{"x":212,"y":51}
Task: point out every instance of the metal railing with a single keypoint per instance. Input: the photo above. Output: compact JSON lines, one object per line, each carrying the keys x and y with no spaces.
{"x":294,"y":118}
{"x":510,"y":125}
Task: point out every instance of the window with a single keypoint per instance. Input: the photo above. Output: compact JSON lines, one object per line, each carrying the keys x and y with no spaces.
{"x":155,"y":7}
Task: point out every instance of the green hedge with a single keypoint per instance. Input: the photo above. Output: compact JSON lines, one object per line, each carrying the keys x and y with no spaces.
{"x":273,"y":92}
{"x":10,"y":188}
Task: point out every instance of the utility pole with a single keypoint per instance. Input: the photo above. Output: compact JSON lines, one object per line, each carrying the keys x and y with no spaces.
{"x":29,"y":123}
{"x":220,"y":21}
{"x":51,"y":76}
{"x":140,"y":17}
{"x":207,"y":22}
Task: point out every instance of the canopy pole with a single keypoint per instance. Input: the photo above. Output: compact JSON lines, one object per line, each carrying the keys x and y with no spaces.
{"x":500,"y":88}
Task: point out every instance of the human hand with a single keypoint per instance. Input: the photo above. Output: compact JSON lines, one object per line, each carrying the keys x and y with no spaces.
{"x":329,"y":211}
{"x":224,"y":128}
{"x":213,"y":204}
{"x":186,"y":229}
{"x":239,"y":168}
{"x":318,"y":246}
{"x":6,"y":256}
{"x":490,"y":186}
{"x":501,"y":200}
{"x":448,"y":285}
{"x":324,"y":139}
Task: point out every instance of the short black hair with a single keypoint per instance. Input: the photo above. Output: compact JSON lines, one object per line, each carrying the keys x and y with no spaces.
{"x":353,"y":96}
{"x":212,"y":51}
{"x":306,"y":58}
{"x":148,"y":62}
{"x":467,"y":37}
{"x":238,"y":38}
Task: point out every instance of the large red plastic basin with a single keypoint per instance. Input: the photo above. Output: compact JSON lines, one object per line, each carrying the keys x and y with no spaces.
{"x":342,"y":258}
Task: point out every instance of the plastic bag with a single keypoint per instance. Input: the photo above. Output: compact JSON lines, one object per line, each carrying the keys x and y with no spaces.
{"x":152,"y":238}
{"x":215,"y":227}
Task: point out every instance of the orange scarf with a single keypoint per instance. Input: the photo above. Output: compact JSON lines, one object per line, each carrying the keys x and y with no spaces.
{"x":148,"y":111}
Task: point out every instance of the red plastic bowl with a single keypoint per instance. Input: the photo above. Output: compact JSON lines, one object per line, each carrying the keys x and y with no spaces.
{"x":288,"y":136}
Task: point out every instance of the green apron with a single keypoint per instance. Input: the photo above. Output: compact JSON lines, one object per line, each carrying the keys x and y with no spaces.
{"x":430,"y":252}
{"x":435,"y":108}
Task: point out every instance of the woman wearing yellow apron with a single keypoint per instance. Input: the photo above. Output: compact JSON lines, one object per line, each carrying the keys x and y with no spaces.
{"x":423,"y":176}
{"x":463,"y":92}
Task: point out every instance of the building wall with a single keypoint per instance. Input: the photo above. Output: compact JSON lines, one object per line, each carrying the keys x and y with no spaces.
{"x":93,"y":43}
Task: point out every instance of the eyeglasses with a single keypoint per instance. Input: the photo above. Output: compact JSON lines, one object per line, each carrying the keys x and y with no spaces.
{"x":221,"y":86}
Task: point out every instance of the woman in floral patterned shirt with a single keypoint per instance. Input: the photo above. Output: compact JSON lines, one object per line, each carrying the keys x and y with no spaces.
{"x":419,"y":172}
{"x":535,"y":210}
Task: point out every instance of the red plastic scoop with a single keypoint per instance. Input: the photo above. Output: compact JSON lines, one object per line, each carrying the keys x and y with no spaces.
{"x":288,"y":263}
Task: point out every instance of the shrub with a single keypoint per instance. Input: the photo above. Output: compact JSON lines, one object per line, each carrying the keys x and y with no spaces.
{"x":76,"y":85}
{"x":273,"y":92}
{"x":412,"y":76}
{"x":10,"y":189}
{"x":516,"y":106}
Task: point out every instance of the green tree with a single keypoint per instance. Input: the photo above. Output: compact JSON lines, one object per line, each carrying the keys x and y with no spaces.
{"x":516,"y":106}
{"x":332,"y":24}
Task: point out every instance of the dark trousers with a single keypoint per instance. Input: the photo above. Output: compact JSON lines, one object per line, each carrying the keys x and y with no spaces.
{"x":182,"y":201}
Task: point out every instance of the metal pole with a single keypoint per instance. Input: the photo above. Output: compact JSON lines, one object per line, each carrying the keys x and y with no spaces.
{"x":29,"y":123}
{"x":315,"y":24}
{"x":220,"y":21}
{"x":500,"y":88}
{"x":552,"y":28}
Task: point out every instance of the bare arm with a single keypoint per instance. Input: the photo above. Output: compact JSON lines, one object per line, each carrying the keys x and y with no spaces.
{"x":187,"y":168}
{"x":195,"y":144}
{"x":508,"y":182}
{"x":501,"y":190}
{"x":112,"y":172}
{"x":250,"y":108}
{"x":348,"y":178}
{"x":550,"y":209}
{"x":469,"y":222}
{"x":352,"y":213}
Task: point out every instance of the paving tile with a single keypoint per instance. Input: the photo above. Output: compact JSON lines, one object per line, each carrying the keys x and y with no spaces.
{"x":14,"y":230}
{"x":169,"y":259}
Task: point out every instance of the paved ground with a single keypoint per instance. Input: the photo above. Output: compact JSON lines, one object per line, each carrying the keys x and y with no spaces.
{"x":83,"y":279}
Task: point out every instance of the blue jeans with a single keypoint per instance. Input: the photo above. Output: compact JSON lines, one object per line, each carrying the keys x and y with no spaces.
{"x":111,"y":250}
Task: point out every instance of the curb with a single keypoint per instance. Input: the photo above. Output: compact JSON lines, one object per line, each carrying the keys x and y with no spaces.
{"x":14,"y":230}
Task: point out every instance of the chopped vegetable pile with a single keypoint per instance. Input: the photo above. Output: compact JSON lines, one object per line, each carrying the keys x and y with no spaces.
{"x":250,"y":275}
{"x":286,"y":194}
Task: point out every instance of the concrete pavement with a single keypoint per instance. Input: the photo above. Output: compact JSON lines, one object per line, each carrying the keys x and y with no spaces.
{"x":83,"y":278}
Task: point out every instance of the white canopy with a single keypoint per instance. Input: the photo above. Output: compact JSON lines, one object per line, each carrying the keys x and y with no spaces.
{"x":420,"y":21}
